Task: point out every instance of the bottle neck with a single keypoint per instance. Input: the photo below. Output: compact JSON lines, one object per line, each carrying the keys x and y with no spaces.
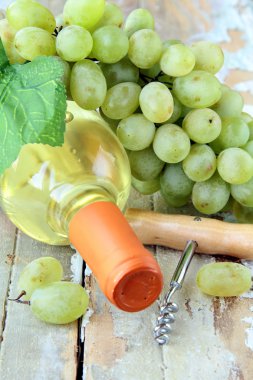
{"x":67,"y":200}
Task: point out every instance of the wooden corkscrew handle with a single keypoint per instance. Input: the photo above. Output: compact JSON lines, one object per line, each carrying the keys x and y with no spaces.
{"x":213,"y":236}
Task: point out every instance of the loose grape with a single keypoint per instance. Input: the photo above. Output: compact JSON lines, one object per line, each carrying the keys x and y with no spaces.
{"x":177,"y":60}
{"x":59,"y":302}
{"x":32,"y":42}
{"x":210,"y":196}
{"x":171,"y":144}
{"x":200,"y":164}
{"x":73,"y":43}
{"x":145,"y":164}
{"x":243,"y":193}
{"x":136,"y":132}
{"x":234,"y":133}
{"x":199,"y":89}
{"x":224,"y":279}
{"x":209,"y":56}
{"x":110,"y":44}
{"x":138,"y":19}
{"x":87,"y":85}
{"x":145,"y":48}
{"x":24,"y":13}
{"x":235,"y":166}
{"x":146,"y":187}
{"x":202,"y":125}
{"x":85,"y":13}
{"x":121,"y":100}
{"x":156,"y":102}
{"x":119,"y":72}
{"x":41,"y":271}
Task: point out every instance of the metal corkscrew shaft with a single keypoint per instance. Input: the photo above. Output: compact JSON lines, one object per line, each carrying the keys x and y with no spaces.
{"x":168,"y":308}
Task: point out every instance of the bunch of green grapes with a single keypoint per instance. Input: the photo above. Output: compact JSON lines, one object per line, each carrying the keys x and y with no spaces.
{"x":185,"y":132}
{"x":51,"y":300}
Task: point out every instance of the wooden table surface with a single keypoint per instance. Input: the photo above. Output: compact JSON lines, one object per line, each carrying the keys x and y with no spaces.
{"x":212,"y":338}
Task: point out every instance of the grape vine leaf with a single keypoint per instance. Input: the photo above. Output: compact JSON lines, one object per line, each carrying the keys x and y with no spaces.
{"x":32,"y":105}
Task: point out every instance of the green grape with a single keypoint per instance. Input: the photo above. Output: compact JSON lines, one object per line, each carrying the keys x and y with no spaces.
{"x":122,"y":71}
{"x":198,"y":89}
{"x":139,"y":19}
{"x":224,"y":279}
{"x":85,"y":13}
{"x":156,"y":102}
{"x":175,"y":201}
{"x":167,"y":80}
{"x":152,"y":72}
{"x":7,"y":35}
{"x":113,"y":124}
{"x":234,"y":133}
{"x":211,"y":195}
{"x":243,"y":193}
{"x":168,"y":43}
{"x":202,"y":125}
{"x":250,"y":125}
{"x":177,"y":60}
{"x":110,"y":44}
{"x":32,"y":42}
{"x":185,"y":110}
{"x":145,"y":165}
{"x":216,"y":146}
{"x":87,"y":85}
{"x":146,"y":187}
{"x":39,"y":272}
{"x":248,"y":147}
{"x":246,"y":117}
{"x":66,"y":71}
{"x":24,"y":13}
{"x":73,"y":43}
{"x":59,"y":302}
{"x":121,"y":100}
{"x":235,"y":166}
{"x":136,"y":132}
{"x":229,"y":105}
{"x":113,"y":15}
{"x":59,"y":21}
{"x":200,"y":164}
{"x":145,"y":48}
{"x":171,"y":144}
{"x":177,"y":111}
{"x":174,"y":182}
{"x":209,"y":56}
{"x":243,"y":214}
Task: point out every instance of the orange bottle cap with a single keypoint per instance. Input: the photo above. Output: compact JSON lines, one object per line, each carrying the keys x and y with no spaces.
{"x":127,"y":273}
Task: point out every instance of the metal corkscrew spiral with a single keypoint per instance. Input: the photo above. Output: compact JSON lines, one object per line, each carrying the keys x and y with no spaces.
{"x":168,"y":308}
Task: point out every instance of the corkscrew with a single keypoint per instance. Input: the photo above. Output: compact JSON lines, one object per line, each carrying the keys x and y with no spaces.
{"x":168,"y":308}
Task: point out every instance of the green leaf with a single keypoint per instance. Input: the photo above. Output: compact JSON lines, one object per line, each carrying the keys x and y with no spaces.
{"x":32,"y":105}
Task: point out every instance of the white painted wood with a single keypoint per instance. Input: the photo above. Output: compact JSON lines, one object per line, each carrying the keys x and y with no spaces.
{"x":31,"y":349}
{"x":7,"y":239}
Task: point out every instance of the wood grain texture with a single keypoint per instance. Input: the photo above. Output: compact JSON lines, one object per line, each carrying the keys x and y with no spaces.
{"x":31,"y":349}
{"x":210,"y":338}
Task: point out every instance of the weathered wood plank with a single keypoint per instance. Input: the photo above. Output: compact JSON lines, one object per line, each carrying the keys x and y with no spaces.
{"x":208,"y":332}
{"x":7,"y":239}
{"x":120,"y":345}
{"x":30,"y":348}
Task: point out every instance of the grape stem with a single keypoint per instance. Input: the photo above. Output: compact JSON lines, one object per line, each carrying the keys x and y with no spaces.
{"x":20,"y":301}
{"x":148,"y":79}
{"x":57,"y":31}
{"x":18,"y":298}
